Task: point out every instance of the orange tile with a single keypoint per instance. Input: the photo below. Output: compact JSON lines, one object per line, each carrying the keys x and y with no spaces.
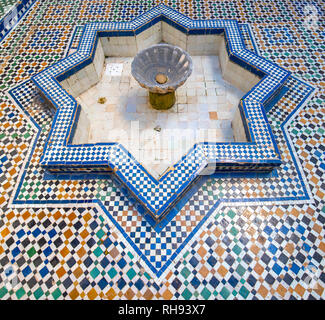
{"x":78,"y":272}
{"x":148,"y":295}
{"x":281,"y":290}
{"x":110,"y":294}
{"x":289,"y":247}
{"x":129,"y":294}
{"x":322,"y":246}
{"x":92,"y":294}
{"x":167,"y":295}
{"x":254,"y":248}
{"x":204,"y":271}
{"x":300,"y":290}
{"x":202,"y":252}
{"x":84,"y":234}
{"x":65,"y":251}
{"x":26,"y":215}
{"x":219,"y":250}
{"x":5,"y":232}
{"x":74,"y":294}
{"x":72,"y":216}
{"x":222,"y":271}
{"x":262,"y":291}
{"x":213,"y":115}
{"x":217,"y":231}
{"x":60,"y":272}
{"x":81,"y":252}
{"x":10,"y":215}
{"x":41,"y":215}
{"x":68,"y":234}
{"x":258,"y":268}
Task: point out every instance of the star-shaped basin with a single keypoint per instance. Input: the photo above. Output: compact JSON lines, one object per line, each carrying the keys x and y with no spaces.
{"x":155,"y":196}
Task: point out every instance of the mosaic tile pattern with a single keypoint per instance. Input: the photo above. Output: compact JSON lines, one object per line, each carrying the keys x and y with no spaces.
{"x":157,"y":197}
{"x":243,"y":249}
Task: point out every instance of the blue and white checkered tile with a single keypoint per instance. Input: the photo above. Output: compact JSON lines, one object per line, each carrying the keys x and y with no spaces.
{"x":263,"y":64}
{"x":155,"y":195}
{"x":176,"y":16}
{"x":247,"y":37}
{"x":148,"y":16}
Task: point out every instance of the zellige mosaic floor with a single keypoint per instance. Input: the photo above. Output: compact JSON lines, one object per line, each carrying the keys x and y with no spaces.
{"x":233,"y":237}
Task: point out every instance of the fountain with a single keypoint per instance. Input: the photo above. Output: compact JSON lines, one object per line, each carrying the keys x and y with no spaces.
{"x":161,"y":69}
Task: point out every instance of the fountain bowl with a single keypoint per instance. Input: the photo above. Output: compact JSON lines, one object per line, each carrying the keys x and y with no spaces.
{"x":161,"y":69}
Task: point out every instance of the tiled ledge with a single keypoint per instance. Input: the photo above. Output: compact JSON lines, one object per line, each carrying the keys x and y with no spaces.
{"x":157,"y":197}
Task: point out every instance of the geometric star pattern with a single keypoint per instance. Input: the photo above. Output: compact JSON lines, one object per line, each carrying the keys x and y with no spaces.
{"x":54,"y":245}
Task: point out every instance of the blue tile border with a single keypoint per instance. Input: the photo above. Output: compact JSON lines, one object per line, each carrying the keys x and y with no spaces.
{"x":157,"y":197}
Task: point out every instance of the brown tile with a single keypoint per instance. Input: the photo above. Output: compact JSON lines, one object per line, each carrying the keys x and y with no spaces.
{"x":262,"y":291}
{"x":204,"y":271}
{"x":258,"y":268}
{"x":281,"y":290}
{"x":148,"y":295}
{"x":300,"y":290}
{"x":110,"y":294}
{"x":129,"y":294}
{"x":74,"y":294}
{"x":222,"y":271}
{"x":202,"y":252}
{"x":78,"y":272}
{"x":114,"y":252}
{"x":213,"y":115}
{"x":167,"y":295}
{"x":61,"y":272}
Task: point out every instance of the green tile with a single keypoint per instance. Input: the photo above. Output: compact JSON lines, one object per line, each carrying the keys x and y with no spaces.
{"x":94,"y":273}
{"x":186,"y":294}
{"x":112,"y":273}
{"x":231,"y":214}
{"x":20,"y":292}
{"x":98,"y":251}
{"x":146,"y":274}
{"x":233,"y":231}
{"x":225,"y":293}
{"x":240,"y":270}
{"x":56,"y":294}
{"x":100,"y":234}
{"x":3,"y":292}
{"x":243,"y":292}
{"x":38,"y":293}
{"x":185,"y":272}
{"x":205,"y":293}
{"x":237,"y":249}
{"x":131,"y":273}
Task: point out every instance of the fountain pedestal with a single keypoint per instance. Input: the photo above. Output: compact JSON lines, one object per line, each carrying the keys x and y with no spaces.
{"x":162,"y":101}
{"x":161,"y":69}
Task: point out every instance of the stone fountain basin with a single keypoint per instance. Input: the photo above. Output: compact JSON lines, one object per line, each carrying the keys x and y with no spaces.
{"x":168,"y":62}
